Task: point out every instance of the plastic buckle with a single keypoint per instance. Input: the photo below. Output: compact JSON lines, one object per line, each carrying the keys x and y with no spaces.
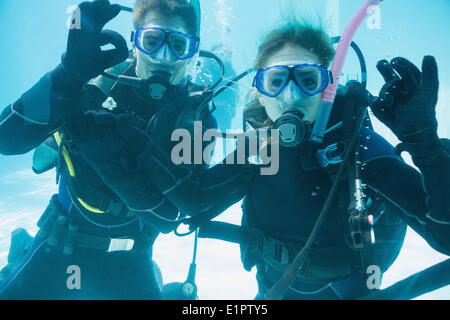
{"x":114,"y":207}
{"x":120,"y":245}
{"x":325,"y":158}
{"x":184,"y":234}
{"x":109,"y":104}
{"x":275,"y":250}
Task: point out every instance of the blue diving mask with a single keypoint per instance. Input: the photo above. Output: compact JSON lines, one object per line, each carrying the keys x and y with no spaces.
{"x":311,"y":79}
{"x":289,"y":84}
{"x":156,"y":42}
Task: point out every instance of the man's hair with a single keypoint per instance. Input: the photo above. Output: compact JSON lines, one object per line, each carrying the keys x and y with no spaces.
{"x":169,"y":8}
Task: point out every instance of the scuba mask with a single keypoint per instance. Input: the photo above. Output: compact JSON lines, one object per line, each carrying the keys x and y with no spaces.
{"x":291,"y":85}
{"x":164,"y":44}
{"x":311,"y":79}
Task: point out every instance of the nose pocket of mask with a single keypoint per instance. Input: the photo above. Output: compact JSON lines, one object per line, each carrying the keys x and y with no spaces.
{"x":293,"y":92}
{"x":163,"y":54}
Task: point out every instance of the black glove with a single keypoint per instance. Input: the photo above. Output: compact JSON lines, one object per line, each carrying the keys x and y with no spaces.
{"x":407,"y":102}
{"x":84,"y":58}
{"x":179,"y":114}
{"x":117,"y":148}
{"x":102,"y":138}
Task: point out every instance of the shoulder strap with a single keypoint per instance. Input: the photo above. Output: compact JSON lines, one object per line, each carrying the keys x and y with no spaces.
{"x":106,"y":84}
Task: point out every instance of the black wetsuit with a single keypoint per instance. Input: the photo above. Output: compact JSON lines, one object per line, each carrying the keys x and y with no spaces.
{"x":118,"y":274}
{"x":289,"y":209}
{"x":285,"y":207}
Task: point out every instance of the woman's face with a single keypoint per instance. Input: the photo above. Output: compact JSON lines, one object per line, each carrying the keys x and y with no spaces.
{"x":163,"y":60}
{"x":291,"y":98}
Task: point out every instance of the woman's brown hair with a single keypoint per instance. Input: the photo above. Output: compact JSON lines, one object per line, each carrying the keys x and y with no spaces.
{"x":296,"y":33}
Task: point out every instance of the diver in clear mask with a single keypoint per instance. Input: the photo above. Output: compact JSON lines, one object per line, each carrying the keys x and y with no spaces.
{"x":280,"y":210}
{"x":72,"y":118}
{"x":290,"y":91}
{"x":163,"y":48}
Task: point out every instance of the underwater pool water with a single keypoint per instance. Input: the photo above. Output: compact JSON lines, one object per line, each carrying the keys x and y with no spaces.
{"x":36,"y":35}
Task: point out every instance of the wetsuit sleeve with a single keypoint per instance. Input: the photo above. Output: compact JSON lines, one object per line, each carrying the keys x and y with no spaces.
{"x":30,"y":120}
{"x":156,"y":188}
{"x":418,"y":195}
{"x":197,"y":191}
{"x":188,"y":183}
{"x":434,"y":164}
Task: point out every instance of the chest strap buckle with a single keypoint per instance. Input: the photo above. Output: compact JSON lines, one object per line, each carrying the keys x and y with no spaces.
{"x":120,"y":245}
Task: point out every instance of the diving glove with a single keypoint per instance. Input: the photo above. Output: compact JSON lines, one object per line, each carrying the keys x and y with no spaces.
{"x":113,"y":145}
{"x":407,"y":102}
{"x":117,"y":147}
{"x":180,"y":114}
{"x":84,"y":58}
{"x":102,"y":137}
{"x":407,"y":105}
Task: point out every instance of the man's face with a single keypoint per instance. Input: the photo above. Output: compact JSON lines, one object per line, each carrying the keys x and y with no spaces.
{"x":163,"y":59}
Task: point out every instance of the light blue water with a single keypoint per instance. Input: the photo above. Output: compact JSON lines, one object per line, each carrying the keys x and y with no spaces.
{"x":34,"y":32}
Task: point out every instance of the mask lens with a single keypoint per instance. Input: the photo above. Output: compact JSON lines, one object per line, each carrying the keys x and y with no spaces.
{"x":311,"y":79}
{"x":150,"y":40}
{"x":180,"y":44}
{"x":274,"y":80}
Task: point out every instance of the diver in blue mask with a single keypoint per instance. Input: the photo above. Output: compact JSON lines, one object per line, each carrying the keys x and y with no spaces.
{"x":289,"y":89}
{"x":90,"y":97}
{"x":163,"y":52}
{"x":371,"y":195}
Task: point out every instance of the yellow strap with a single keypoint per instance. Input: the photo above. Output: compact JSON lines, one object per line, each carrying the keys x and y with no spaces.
{"x":65,"y":155}
{"x":89,"y":207}
{"x":71,"y":169}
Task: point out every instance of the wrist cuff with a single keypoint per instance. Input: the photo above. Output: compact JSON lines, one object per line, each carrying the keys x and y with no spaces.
{"x":424,"y":153}
{"x":66,"y":83}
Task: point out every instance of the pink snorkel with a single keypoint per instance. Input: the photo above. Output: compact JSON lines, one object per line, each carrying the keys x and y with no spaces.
{"x":279,"y":289}
{"x":329,"y":94}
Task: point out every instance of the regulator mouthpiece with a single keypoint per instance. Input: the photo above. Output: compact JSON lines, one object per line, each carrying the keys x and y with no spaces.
{"x":293,"y":130}
{"x":158,"y":85}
